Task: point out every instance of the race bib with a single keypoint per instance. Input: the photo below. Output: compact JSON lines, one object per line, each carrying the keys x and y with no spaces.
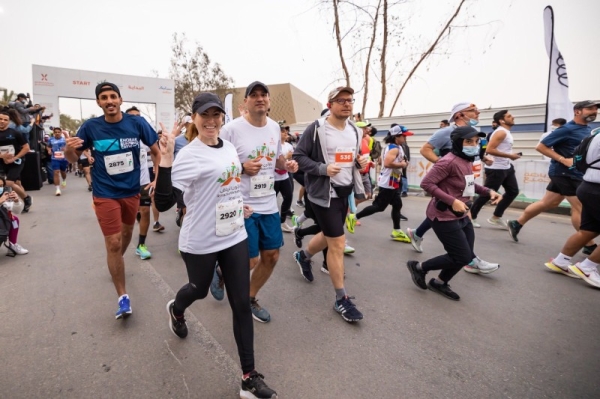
{"x":230,"y":217}
{"x":119,"y":163}
{"x":477,"y":168}
{"x":469,"y":186}
{"x":7,"y":149}
{"x":344,"y":157}
{"x":59,"y":155}
{"x":262,"y":185}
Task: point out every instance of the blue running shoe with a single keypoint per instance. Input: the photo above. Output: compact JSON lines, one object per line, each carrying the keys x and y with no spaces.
{"x":216,"y":285}
{"x":124,"y":308}
{"x":142,"y":252}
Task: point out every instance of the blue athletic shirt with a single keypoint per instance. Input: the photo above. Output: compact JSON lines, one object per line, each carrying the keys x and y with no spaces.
{"x":58,"y":145}
{"x":116,"y":149}
{"x":563,"y":141}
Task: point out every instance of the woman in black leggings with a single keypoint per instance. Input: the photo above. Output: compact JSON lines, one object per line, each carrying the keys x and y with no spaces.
{"x":207,"y":173}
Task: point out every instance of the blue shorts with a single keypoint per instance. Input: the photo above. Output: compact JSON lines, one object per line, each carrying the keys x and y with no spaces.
{"x":264,"y":233}
{"x":61,"y":164}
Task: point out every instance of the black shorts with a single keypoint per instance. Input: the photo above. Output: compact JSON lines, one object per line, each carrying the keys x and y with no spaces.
{"x":83,"y":163}
{"x":12,"y":171}
{"x":589,"y":196}
{"x":563,"y":185}
{"x":331,"y":220}
{"x":145,"y":199}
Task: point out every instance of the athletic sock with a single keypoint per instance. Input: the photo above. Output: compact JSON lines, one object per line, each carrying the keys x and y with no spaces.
{"x":340,"y":293}
{"x":142,"y":240}
{"x":562,"y":260}
{"x":306,"y":254}
{"x":302,"y":218}
{"x":588,"y":266}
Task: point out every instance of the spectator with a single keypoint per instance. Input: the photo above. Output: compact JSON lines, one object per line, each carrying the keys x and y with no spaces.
{"x":444,"y":123}
{"x":25,"y":109}
{"x":10,"y":203}
{"x":16,"y":123}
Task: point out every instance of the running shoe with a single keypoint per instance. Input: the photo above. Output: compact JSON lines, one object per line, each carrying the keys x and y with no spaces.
{"x":300,"y":203}
{"x":177,"y":324}
{"x":348,"y":249}
{"x":124,"y":308}
{"x":63,"y":184}
{"x":591,"y":277}
{"x":417,"y":275}
{"x":404,"y":194}
{"x":399,"y":235}
{"x":514,"y":228}
{"x":259,"y":313}
{"x":442,"y":289}
{"x":286,"y":228}
{"x":142,"y":252}
{"x":480,"y":266}
{"x":157,"y":227}
{"x":325,"y":269}
{"x":27,"y":202}
{"x":305,"y":265}
{"x":475,"y":224}
{"x":216,"y":285}
{"x":16,"y":248}
{"x":588,"y":249}
{"x":347,"y":309}
{"x":90,"y":188}
{"x":498,"y":222}
{"x":295,"y":221}
{"x":57,"y":192}
{"x":414,"y":240}
{"x":403,"y":218}
{"x":297,"y":238}
{"x":559,"y":269}
{"x":253,"y":387}
{"x":179,"y":217}
{"x":350,"y":222}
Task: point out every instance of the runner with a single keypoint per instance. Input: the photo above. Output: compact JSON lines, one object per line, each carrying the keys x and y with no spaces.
{"x":283,"y":184}
{"x":13,"y":148}
{"x":115,"y":142}
{"x":329,"y":155}
{"x":257,"y":139}
{"x":84,"y":163}
{"x":59,"y":163}
{"x":207,"y":173}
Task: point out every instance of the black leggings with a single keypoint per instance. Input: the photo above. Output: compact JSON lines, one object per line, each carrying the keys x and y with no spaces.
{"x":386,"y":196}
{"x":286,"y":189}
{"x":235,"y":266}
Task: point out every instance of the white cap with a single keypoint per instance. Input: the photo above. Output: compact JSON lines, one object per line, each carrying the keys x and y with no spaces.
{"x":187,"y":119}
{"x":459,"y":107}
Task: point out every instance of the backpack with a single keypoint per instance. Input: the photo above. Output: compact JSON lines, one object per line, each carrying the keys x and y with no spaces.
{"x":376,"y":150}
{"x":580,"y":153}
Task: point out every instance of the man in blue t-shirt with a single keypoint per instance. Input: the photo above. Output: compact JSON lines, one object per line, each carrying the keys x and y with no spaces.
{"x":564,"y":178}
{"x":56,"y":148}
{"x":115,"y":142}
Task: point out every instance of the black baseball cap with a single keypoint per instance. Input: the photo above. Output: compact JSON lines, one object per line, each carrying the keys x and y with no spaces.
{"x":106,"y":86}
{"x":465,"y":132}
{"x":21,"y":95}
{"x":585,"y":104}
{"x":204,"y":101}
{"x":253,"y":85}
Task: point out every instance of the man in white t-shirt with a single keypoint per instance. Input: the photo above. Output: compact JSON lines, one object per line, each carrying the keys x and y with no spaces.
{"x":257,"y":140}
{"x":501,"y":172}
{"x":284,"y":184}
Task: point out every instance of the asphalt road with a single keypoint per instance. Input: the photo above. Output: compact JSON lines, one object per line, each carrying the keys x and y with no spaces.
{"x":522,"y":332}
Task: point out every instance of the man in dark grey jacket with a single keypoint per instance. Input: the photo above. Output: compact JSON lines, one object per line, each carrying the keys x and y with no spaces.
{"x":329,"y":155}
{"x":24,"y":111}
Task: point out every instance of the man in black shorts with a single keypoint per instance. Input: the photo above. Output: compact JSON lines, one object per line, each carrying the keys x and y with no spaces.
{"x":13,"y":148}
{"x":85,"y":162}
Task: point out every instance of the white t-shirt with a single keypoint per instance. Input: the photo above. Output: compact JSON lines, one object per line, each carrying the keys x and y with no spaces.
{"x":210,"y":180}
{"x":391,"y":178}
{"x":593,"y":175}
{"x":341,"y":150}
{"x":144,"y":173}
{"x":285,"y":148}
{"x":505,"y":146}
{"x":262,"y":143}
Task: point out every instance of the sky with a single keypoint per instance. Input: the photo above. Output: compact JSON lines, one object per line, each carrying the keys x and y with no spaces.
{"x":500,"y":60}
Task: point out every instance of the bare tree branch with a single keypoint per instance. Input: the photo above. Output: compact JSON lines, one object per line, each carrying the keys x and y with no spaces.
{"x":368,"y":62}
{"x":383,"y":59}
{"x":339,"y":41}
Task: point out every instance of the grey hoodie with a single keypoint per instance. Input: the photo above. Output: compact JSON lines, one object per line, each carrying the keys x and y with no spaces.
{"x":311,"y":154}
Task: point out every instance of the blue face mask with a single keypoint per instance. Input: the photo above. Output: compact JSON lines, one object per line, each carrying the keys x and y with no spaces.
{"x":473,"y":122}
{"x":471,"y":151}
{"x":1,"y":190}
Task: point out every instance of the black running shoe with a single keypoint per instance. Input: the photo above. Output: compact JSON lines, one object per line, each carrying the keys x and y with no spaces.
{"x":403,"y":218}
{"x":254,"y":387}
{"x":418,"y":276}
{"x":179,"y":217}
{"x":325,"y":269}
{"x":27,"y":204}
{"x":297,"y":238}
{"x":305,"y":265}
{"x":177,"y":324}
{"x":442,"y":289}
{"x":90,"y":188}
{"x":588,"y":249}
{"x":513,"y":229}
{"x":347,"y":309}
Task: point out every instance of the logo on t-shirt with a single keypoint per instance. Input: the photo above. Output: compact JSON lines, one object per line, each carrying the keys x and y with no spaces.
{"x":129,"y":143}
{"x":261,"y":152}
{"x":232,"y":173}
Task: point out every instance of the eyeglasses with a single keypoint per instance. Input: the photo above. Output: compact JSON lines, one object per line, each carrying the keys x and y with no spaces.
{"x":343,"y":101}
{"x":470,"y":110}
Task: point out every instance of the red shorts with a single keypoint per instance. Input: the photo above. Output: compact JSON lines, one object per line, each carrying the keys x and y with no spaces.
{"x":112,"y":213}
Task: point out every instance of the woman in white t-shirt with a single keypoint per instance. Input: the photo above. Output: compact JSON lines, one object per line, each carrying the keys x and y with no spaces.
{"x":207,"y":171}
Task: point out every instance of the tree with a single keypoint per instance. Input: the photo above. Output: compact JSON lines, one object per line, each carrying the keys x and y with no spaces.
{"x":70,"y":124}
{"x":7,"y":96}
{"x":194,"y":72}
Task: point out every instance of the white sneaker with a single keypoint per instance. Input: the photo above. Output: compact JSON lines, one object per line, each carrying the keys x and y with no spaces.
{"x":19,"y":250}
{"x":592,"y":277}
{"x":57,"y":193}
{"x":475,"y":224}
{"x":480,"y":266}
{"x":498,"y":222}
{"x":414,"y":240}
{"x":286,"y":228}
{"x":559,"y":269}
{"x":64,"y":183}
{"x":348,"y":249}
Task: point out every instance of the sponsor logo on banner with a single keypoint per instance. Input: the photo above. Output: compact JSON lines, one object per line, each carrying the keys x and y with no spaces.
{"x":425,"y":165}
{"x":533,"y":177}
{"x":133,"y":87}
{"x":81,"y":82}
{"x":166,"y":89}
{"x":43,"y":81}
